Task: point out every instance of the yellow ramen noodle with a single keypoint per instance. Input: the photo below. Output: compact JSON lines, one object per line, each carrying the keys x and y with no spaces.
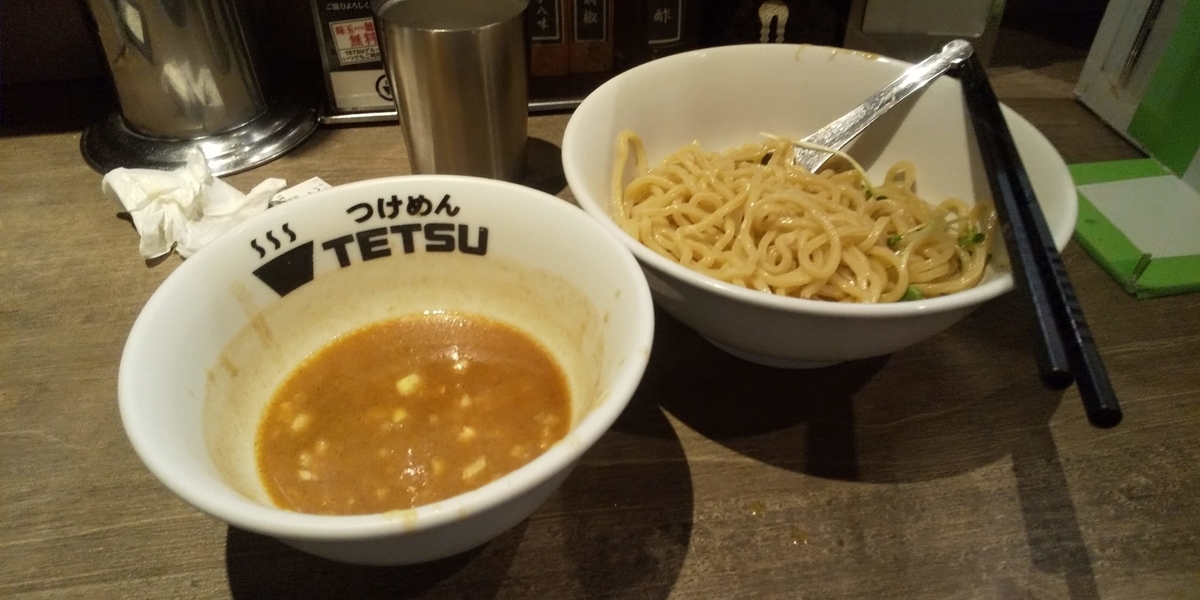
{"x":747,"y":217}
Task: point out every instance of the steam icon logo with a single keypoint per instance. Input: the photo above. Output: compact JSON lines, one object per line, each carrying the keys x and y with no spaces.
{"x":288,"y":271}
{"x":383,"y":87}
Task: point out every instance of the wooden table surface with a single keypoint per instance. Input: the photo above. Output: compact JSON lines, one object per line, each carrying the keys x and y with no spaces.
{"x":942,"y":471}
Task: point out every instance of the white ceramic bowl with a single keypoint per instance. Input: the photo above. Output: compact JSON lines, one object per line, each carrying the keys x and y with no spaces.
{"x":725,"y":97}
{"x":229,"y":325}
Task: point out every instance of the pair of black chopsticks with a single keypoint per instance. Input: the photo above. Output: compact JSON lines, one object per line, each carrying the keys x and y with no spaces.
{"x":1066,"y":350}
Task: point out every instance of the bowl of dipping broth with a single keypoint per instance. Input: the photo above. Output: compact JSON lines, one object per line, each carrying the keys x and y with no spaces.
{"x":684,"y":159}
{"x":388,"y":372}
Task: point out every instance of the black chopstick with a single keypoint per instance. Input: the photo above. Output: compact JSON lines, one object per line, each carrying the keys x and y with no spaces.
{"x":1066,"y":348}
{"x":1053,"y":364}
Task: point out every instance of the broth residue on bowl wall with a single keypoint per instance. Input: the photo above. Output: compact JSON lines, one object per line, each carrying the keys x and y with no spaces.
{"x":407,"y":412}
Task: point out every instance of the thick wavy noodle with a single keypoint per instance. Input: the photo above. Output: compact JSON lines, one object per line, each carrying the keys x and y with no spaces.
{"x":747,"y":217}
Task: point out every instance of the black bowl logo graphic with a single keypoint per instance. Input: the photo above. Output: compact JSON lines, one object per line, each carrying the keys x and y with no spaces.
{"x":289,"y":270}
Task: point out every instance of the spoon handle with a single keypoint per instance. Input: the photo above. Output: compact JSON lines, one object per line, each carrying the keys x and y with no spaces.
{"x":840,"y":132}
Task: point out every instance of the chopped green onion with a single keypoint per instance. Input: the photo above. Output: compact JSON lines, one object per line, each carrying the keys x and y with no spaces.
{"x":912,"y":293}
{"x":894,"y":240}
{"x":970,"y":238}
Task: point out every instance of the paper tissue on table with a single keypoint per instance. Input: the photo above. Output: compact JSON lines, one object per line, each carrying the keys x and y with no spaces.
{"x":186,"y":208}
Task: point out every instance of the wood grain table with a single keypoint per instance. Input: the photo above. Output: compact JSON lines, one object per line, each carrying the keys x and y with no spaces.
{"x":942,"y":471}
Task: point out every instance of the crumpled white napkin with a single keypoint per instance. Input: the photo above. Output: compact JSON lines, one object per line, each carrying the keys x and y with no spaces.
{"x":186,"y":208}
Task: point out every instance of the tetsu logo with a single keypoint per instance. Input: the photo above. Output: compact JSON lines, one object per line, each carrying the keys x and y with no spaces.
{"x":270,"y":236}
{"x":289,"y":270}
{"x":293,"y":267}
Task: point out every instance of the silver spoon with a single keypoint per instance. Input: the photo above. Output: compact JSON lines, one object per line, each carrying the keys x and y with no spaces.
{"x":840,"y":132}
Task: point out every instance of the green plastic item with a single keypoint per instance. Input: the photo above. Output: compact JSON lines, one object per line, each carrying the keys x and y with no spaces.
{"x":1138,"y":272}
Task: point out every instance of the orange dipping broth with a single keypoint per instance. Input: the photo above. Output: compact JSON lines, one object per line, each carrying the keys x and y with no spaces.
{"x":408,"y":412}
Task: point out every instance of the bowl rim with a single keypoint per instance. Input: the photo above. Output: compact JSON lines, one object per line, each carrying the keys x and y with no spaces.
{"x":1000,"y":284}
{"x":251,"y":515}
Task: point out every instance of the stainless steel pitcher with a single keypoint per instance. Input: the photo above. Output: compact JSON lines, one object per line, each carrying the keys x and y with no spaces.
{"x":186,"y":76}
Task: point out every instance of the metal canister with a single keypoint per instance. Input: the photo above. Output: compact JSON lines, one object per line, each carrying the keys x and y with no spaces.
{"x":459,"y":79}
{"x":186,"y":77}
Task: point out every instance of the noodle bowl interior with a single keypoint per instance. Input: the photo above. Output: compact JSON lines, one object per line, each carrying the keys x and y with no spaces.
{"x":748,"y":217}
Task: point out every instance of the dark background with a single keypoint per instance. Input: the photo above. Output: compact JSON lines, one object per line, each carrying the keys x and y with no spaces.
{"x":51,"y":60}
{"x":50,"y":40}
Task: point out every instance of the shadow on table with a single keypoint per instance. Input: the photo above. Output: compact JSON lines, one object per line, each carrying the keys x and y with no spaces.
{"x":628,"y":510}
{"x":956,"y":403}
{"x":261,"y":567}
{"x":543,"y":167}
{"x":618,"y":527}
{"x":1055,"y":540}
{"x":940,"y":409}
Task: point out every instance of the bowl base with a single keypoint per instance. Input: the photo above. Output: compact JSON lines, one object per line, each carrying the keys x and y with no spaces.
{"x":769,"y":361}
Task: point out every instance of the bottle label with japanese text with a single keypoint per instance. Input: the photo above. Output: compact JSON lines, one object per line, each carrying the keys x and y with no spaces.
{"x":545,"y":20}
{"x":664,"y":21}
{"x":591,"y":20}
